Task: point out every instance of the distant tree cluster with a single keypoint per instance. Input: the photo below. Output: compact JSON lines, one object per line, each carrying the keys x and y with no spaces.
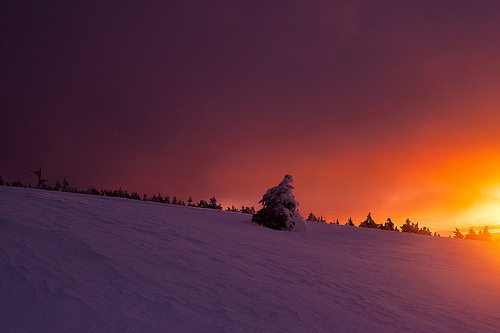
{"x":413,"y":228}
{"x":408,"y":226}
{"x":211,"y":204}
{"x":483,"y":235}
{"x":313,"y":218}
{"x":65,"y":186}
{"x":243,"y":209}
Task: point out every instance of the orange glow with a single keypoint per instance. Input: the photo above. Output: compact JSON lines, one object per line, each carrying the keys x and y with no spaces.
{"x":442,"y":191}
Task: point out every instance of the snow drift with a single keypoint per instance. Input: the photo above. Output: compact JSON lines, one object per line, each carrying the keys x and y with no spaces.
{"x":80,"y":263}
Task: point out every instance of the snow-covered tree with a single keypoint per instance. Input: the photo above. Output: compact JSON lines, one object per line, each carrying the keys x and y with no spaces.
{"x":279,"y":209}
{"x":350,"y":223}
{"x":389,"y":225}
{"x":312,"y":218}
{"x":202,"y":204}
{"x":368,"y":223}
{"x":213,"y":204}
{"x":410,"y":227}
{"x":425,"y":231}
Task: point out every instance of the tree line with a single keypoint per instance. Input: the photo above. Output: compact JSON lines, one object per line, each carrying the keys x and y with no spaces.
{"x":271,"y":199}
{"x":65,"y":186}
{"x":408,"y":226}
{"x":483,"y":235}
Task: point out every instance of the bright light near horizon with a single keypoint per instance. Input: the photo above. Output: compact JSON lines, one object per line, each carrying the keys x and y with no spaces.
{"x":486,"y":211}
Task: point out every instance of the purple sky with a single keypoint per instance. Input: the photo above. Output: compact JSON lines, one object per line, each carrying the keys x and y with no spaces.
{"x":366,"y":103}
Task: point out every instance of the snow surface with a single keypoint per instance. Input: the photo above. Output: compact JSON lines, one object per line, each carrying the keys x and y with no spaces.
{"x":81,"y":263}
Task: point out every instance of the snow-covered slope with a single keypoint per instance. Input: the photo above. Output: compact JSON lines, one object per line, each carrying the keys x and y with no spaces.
{"x":80,"y":263}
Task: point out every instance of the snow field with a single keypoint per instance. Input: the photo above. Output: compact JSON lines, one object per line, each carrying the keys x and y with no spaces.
{"x":82,"y":263}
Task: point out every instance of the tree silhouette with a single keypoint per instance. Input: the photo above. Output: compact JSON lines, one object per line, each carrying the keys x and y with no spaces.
{"x":65,"y":185}
{"x":41,"y":181}
{"x":17,"y":183}
{"x":485,"y":235}
{"x":389,"y":225}
{"x":410,"y":227}
{"x":368,"y":223}
{"x":202,"y":204}
{"x":213,"y":204}
{"x":458,"y":234}
{"x":471,"y":234}
{"x":312,"y":218}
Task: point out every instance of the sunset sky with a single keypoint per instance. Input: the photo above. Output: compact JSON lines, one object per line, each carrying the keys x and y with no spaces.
{"x":388,"y":107}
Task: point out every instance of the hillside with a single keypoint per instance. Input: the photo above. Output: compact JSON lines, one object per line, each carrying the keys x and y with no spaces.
{"x":81,"y":263}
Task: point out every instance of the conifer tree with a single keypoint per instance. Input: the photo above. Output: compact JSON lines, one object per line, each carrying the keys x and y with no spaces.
{"x":425,"y":231}
{"x":202,"y":204}
{"x":486,"y":234}
{"x":368,"y":223}
{"x":247,"y":210}
{"x":312,"y":218}
{"x":410,"y":227}
{"x":65,"y":185}
{"x":279,"y":209}
{"x":349,"y":222}
{"x":471,"y":234}
{"x":58,"y":186}
{"x":213,"y":204}
{"x":389,"y":225}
